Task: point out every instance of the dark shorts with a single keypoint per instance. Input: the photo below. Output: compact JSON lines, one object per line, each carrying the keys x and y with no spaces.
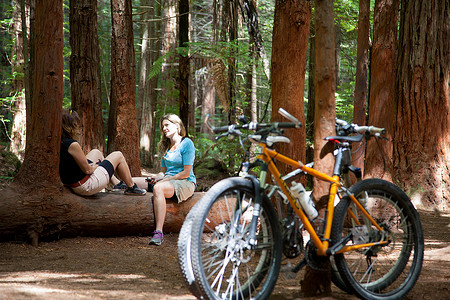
{"x":108,"y":167}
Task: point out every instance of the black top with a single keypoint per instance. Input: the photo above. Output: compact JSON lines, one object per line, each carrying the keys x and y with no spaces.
{"x":69,"y":171}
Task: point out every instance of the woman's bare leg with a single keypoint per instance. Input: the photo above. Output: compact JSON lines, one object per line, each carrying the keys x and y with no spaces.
{"x":95,"y":156}
{"x":161,"y":191}
{"x":119,"y":163}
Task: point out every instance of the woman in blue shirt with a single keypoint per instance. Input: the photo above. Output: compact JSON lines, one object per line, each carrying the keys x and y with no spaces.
{"x":176,"y":178}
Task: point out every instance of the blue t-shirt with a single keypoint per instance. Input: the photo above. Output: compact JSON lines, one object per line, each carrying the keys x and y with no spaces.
{"x":184,"y":155}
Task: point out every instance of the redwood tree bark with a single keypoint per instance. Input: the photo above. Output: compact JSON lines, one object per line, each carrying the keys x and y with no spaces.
{"x":316,"y":282}
{"x":422,"y":133}
{"x":382,"y":97}
{"x":183,"y":59}
{"x":123,"y":132}
{"x":362,"y":66}
{"x":85,"y":73}
{"x":145,"y":112}
{"x":290,"y":44}
{"x":40,"y":168}
{"x":19,"y":83}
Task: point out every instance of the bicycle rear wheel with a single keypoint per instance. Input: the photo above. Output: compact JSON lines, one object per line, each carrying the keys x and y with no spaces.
{"x":224,"y":264}
{"x":384,"y":271}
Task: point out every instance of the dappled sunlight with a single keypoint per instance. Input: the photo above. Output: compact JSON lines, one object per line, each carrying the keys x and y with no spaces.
{"x":51,"y":285}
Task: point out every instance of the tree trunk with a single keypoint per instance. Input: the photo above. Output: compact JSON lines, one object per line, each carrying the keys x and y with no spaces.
{"x":362,"y":66}
{"x":145,"y":115}
{"x":208,"y":105}
{"x":309,"y":126}
{"x":422,"y":133}
{"x":31,"y":64}
{"x":69,"y":215}
{"x":123,"y":132}
{"x":229,"y":34}
{"x":318,"y":282}
{"x":183,"y":67}
{"x":85,"y":73}
{"x":290,"y":44}
{"x":40,"y":168}
{"x":382,"y":105}
{"x":19,"y":66}
{"x":169,"y":70}
{"x":337,"y":53}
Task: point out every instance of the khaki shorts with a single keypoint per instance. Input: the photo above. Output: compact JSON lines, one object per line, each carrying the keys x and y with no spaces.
{"x":183,"y":189}
{"x":96,"y":182}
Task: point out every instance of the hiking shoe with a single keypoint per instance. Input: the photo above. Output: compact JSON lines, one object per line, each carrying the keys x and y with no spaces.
{"x":119,"y":187}
{"x":134,"y":190}
{"x":157,"y":238}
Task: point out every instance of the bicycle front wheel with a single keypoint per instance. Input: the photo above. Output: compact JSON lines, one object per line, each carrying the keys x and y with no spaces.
{"x":386,"y":271}
{"x":225,"y":265}
{"x":184,"y":253}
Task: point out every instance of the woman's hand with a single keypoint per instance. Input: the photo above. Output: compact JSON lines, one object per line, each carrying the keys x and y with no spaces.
{"x":153,"y":178}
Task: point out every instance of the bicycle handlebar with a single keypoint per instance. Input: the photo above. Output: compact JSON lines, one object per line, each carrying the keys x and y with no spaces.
{"x":346,"y":128}
{"x":234,"y":128}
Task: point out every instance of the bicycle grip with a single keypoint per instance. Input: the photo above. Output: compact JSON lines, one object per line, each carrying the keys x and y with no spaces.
{"x":288,"y":125}
{"x":373,"y":129}
{"x":221,"y":129}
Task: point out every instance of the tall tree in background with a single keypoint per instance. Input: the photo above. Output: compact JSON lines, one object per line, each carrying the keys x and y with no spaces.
{"x":382,"y":83}
{"x":310,"y":109}
{"x":422,"y":132}
{"x":146,"y":101}
{"x":230,"y":33}
{"x":183,"y":66}
{"x":208,"y":103}
{"x":20,"y":86}
{"x":362,"y":67}
{"x":123,"y":133}
{"x":289,"y":47}
{"x":324,"y":121}
{"x":85,"y":73}
{"x":40,"y":168}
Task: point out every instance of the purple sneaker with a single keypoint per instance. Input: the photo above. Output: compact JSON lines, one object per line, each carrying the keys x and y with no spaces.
{"x":157,"y":238}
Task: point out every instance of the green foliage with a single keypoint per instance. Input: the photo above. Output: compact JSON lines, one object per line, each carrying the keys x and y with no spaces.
{"x":227,"y":151}
{"x":202,"y":45}
{"x":12,"y":160}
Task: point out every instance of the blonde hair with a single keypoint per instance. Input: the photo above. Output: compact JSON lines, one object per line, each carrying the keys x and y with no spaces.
{"x":70,"y":122}
{"x":164,"y":143}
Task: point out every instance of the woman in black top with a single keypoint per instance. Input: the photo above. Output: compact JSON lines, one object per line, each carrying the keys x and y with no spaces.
{"x":88,"y":174}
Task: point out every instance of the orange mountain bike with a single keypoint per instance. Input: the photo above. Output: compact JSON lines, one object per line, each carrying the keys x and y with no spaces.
{"x":232,"y":241}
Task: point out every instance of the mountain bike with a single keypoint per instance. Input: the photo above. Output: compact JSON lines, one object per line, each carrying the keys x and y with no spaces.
{"x":232,"y":240}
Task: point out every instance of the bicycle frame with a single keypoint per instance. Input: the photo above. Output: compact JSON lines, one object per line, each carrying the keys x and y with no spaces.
{"x":267,"y":155}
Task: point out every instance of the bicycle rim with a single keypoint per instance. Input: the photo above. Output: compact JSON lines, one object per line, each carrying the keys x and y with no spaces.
{"x":223,"y":262}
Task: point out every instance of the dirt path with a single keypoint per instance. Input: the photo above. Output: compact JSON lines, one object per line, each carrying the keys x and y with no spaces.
{"x":127,"y":268}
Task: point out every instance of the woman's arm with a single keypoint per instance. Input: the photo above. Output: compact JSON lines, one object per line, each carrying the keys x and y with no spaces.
{"x":81,"y":160}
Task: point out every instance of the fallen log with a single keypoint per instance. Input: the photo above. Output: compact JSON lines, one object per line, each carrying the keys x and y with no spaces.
{"x":56,"y":214}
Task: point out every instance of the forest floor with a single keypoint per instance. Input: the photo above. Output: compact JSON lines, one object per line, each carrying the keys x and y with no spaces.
{"x":128,"y":268}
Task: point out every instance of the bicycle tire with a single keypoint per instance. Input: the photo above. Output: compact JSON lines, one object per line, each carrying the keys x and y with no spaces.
{"x":336,"y":277}
{"x":184,"y":254}
{"x":390,"y":271}
{"x":223,"y":264}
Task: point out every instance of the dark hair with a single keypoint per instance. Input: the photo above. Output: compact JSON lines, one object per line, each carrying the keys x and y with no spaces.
{"x":70,"y":122}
